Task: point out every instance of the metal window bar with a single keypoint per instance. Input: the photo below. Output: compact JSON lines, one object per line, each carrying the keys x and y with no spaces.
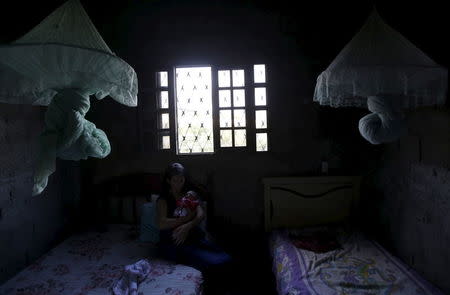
{"x":175,"y":109}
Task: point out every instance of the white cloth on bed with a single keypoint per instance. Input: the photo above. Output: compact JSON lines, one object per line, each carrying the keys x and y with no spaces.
{"x":133,"y":274}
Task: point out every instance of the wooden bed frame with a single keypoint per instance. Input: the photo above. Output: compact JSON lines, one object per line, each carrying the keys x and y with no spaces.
{"x":296,"y":202}
{"x":120,"y":199}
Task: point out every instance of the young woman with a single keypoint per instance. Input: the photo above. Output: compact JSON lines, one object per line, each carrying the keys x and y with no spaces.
{"x":181,"y":238}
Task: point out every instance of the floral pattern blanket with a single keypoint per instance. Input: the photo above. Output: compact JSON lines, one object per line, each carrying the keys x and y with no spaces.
{"x":361,"y":267}
{"x":91,"y":262}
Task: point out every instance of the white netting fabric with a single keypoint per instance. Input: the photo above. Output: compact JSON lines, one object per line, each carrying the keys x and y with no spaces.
{"x":60,"y":63}
{"x":32,"y":74}
{"x":64,"y":51}
{"x":69,"y":25}
{"x":67,"y":135}
{"x":385,"y":124}
{"x":380,"y":61}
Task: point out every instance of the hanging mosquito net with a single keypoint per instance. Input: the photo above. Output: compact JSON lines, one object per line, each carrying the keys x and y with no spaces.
{"x":59,"y":64}
{"x":381,"y":70}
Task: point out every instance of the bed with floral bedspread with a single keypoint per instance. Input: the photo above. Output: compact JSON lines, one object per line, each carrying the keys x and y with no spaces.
{"x":360,"y":266}
{"x":89,"y":263}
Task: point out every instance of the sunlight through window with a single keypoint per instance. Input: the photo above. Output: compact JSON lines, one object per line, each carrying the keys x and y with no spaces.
{"x":194,"y":110}
{"x":192,"y":101}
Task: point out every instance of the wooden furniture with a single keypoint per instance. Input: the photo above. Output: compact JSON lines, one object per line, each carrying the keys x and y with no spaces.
{"x":294,"y":202}
{"x":120,"y":198}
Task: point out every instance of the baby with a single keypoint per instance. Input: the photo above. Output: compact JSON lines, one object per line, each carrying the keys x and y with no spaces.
{"x":189,"y":201}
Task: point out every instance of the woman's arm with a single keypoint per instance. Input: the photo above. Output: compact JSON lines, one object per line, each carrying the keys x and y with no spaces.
{"x":180,"y":233}
{"x":168,"y":223}
{"x":199,"y":216}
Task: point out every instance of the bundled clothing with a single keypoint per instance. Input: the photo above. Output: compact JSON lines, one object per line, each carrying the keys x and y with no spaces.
{"x":132,"y":276}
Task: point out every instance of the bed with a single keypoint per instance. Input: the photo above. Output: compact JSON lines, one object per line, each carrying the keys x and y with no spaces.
{"x":90,"y":261}
{"x":359,"y":265}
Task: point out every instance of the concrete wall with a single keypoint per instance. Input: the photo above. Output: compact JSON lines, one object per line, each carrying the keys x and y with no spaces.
{"x":410,"y":196}
{"x":30,"y":226}
{"x":167,"y":34}
{"x":406,"y":189}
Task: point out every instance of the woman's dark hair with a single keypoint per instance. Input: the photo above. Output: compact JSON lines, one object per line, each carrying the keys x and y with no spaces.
{"x":177,"y":169}
{"x":172,"y":170}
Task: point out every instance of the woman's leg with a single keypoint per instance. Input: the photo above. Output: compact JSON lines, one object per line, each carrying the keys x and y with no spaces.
{"x":214,"y":263}
{"x":205,"y":256}
{"x":166,"y":247}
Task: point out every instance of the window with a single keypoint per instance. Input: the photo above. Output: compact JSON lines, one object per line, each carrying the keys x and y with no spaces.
{"x":260,"y":90}
{"x":232,"y":120}
{"x":211,"y":108}
{"x":194,"y":110}
{"x":163,"y":110}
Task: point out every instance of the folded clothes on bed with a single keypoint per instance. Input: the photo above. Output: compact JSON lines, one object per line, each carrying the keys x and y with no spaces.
{"x":132,"y":276}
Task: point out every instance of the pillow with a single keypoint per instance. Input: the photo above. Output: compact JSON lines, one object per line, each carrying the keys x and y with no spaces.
{"x":307,"y":230}
{"x":338,"y":230}
{"x":149,"y":229}
{"x":319,"y":239}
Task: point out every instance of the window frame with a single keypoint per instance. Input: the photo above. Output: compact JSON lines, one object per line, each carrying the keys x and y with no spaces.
{"x":174,"y":94}
{"x":266,"y":130}
{"x":232,"y":107}
{"x":250,"y":109}
{"x":159,"y":111}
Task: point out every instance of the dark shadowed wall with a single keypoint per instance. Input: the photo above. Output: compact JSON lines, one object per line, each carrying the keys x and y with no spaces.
{"x":30,"y":226}
{"x":296,"y":45}
{"x":163,"y":34}
{"x":406,"y":182}
{"x":410,"y":195}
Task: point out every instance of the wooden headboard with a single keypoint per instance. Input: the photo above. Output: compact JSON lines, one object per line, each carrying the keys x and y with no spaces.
{"x":295,"y":202}
{"x":120,"y":198}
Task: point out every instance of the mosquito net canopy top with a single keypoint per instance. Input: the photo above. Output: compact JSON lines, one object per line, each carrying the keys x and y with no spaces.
{"x":64,"y":51}
{"x":59,"y":64}
{"x":381,"y":70}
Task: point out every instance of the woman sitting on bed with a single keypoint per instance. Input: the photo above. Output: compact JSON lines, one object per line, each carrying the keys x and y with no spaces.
{"x":181,"y":238}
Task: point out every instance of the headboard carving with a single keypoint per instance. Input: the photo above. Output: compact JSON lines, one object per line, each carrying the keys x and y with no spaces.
{"x":295,"y":202}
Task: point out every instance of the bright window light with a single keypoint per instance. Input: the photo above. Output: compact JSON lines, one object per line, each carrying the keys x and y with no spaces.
{"x":238,"y":78}
{"x":194,"y":110}
{"x":260,"y":96}
{"x":224,"y":78}
{"x":259,"y":73}
{"x":163,"y":79}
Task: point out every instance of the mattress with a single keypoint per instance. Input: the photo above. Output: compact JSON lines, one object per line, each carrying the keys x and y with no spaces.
{"x":88,"y":263}
{"x":361,"y":266}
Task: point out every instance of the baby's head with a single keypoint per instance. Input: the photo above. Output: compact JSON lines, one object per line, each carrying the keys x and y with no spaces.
{"x":191,"y":194}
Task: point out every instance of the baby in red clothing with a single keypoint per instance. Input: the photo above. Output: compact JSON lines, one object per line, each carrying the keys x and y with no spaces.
{"x":189,"y":201}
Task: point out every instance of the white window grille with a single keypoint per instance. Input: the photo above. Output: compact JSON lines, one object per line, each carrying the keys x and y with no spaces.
{"x":232,"y":112}
{"x":194,"y":110}
{"x":203,"y":94}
